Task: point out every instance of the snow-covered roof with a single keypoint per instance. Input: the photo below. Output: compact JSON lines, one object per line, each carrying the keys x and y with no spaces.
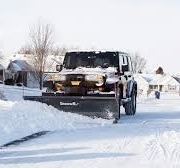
{"x":163,"y":80}
{"x":19,"y":65}
{"x":52,"y":60}
{"x":156,"y":79}
{"x":25,"y":57}
{"x":149,"y":76}
{"x":140,"y":79}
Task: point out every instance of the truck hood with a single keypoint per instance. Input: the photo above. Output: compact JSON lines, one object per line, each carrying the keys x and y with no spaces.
{"x":110,"y":73}
{"x":86,"y":71}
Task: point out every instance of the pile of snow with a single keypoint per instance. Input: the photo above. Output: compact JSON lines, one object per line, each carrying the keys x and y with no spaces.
{"x":21,"y":118}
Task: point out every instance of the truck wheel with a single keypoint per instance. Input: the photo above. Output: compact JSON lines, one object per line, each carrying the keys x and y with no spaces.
{"x":130,"y":107}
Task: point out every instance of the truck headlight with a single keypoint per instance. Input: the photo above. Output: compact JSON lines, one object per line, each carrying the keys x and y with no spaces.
{"x":91,"y":77}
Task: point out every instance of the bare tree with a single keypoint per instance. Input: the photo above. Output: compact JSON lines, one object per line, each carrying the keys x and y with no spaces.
{"x":138,"y":63}
{"x":26,"y":49}
{"x":41,"y":44}
{"x":59,"y":53}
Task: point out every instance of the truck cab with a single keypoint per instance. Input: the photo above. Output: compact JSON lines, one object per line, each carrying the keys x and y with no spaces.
{"x":84,"y":73}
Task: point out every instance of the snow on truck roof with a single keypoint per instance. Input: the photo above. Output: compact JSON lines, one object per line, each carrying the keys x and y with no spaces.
{"x":97,"y":52}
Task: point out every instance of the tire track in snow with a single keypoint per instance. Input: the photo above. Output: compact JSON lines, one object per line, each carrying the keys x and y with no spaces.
{"x":175,"y":158}
{"x":116,"y":145}
{"x":165,"y":146}
{"x":24,"y":139}
{"x":156,"y":147}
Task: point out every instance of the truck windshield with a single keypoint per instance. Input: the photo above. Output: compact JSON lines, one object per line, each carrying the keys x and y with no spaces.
{"x":73,"y":60}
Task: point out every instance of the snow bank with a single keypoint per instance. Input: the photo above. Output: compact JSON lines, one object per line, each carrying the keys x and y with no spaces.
{"x":22,"y":118}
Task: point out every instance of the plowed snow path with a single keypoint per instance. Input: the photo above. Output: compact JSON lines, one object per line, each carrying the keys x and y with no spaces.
{"x":151,"y":138}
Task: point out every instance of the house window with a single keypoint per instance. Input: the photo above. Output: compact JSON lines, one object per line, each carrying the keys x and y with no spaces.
{"x":171,"y":87}
{"x":155,"y":86}
{"x":150,"y":87}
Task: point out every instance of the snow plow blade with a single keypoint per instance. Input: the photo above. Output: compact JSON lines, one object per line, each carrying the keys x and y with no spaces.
{"x":92,"y":106}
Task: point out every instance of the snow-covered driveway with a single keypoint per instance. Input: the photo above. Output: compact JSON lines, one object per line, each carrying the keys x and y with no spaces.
{"x":151,"y":139}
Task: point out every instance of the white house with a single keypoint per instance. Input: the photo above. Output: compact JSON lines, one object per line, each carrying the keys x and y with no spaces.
{"x":164,"y":83}
{"x":22,"y":73}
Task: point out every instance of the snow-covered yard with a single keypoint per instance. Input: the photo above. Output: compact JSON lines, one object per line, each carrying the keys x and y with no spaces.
{"x":151,"y":138}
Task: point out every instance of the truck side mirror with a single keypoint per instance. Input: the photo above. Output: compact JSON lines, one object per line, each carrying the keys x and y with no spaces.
{"x":125,"y":68}
{"x":59,"y":67}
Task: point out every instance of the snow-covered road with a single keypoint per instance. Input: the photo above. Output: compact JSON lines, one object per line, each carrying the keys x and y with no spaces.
{"x":151,"y":139}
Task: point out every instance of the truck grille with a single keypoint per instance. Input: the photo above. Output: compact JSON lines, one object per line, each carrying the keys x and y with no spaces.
{"x":75,"y":77}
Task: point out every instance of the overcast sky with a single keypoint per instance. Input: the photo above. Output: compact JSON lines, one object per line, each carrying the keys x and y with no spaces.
{"x":149,"y":27}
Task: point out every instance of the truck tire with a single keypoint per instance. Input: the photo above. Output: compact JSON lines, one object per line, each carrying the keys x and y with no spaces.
{"x":130,"y":107}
